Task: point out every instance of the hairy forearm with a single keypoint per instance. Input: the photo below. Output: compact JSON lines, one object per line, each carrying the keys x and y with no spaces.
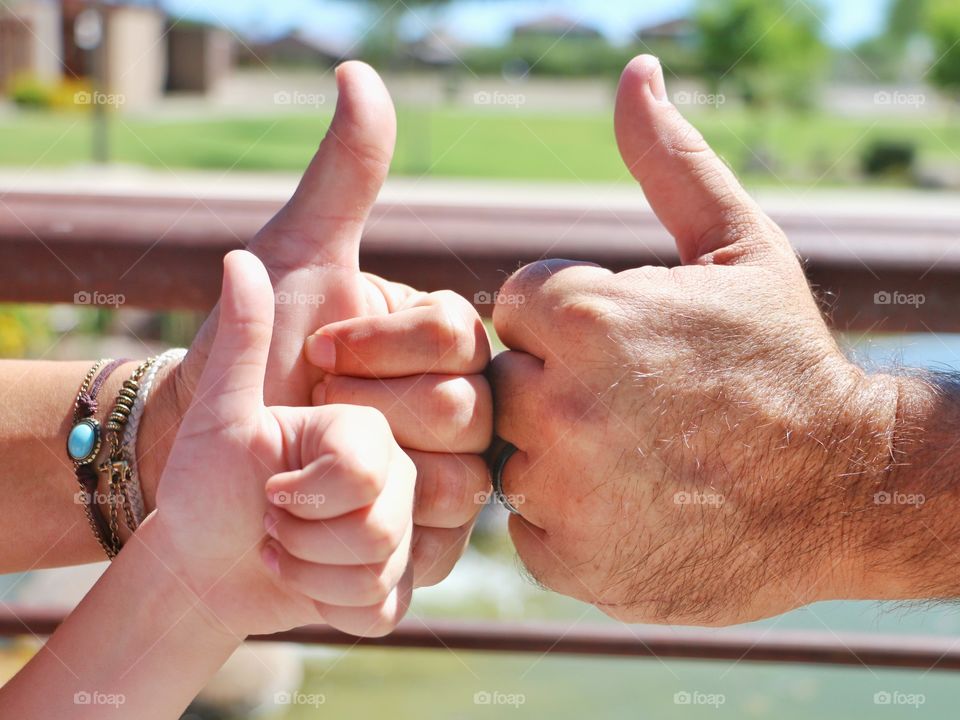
{"x":41,"y":522}
{"x":140,"y":641}
{"x":908,"y":525}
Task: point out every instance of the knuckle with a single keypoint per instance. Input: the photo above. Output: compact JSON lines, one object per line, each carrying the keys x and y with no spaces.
{"x":366,"y":481}
{"x":373,"y":587}
{"x":686,"y":140}
{"x":453,"y":399}
{"x":465,"y":405}
{"x":427,"y":565}
{"x":383,"y":621}
{"x":252,"y":331}
{"x":352,"y":137}
{"x":731,"y":238}
{"x":433,"y":570}
{"x":446,"y":497}
{"x":538,"y":277}
{"x":452,"y":300}
{"x":451,"y":335}
{"x":455,"y":504}
{"x":382,"y":538}
{"x":435,"y":552}
{"x":520,"y":278}
{"x":584,"y":313}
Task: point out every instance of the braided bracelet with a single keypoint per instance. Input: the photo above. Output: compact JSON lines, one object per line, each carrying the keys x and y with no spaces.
{"x":83,"y":445}
{"x":134,"y":495}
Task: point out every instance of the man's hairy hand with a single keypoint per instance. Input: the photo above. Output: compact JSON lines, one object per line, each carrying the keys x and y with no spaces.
{"x":693,"y":446}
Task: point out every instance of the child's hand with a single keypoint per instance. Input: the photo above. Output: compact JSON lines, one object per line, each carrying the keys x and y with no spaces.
{"x":330,"y":485}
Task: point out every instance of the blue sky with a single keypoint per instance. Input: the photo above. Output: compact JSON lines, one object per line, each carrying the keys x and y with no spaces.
{"x":488,"y":21}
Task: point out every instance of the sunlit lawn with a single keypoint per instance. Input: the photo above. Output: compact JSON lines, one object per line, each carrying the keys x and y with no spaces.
{"x":774,"y":148}
{"x":443,"y":685}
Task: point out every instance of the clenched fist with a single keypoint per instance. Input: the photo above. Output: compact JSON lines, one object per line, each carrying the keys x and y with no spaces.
{"x":276,"y":517}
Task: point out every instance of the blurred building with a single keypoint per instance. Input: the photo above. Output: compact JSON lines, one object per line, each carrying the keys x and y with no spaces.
{"x":556,"y":26}
{"x":145,"y":53}
{"x":679,"y":31}
{"x":30,"y":40}
{"x":133,"y":54}
{"x":437,"y":48}
{"x":673,"y":41}
{"x":199,"y":56}
{"x":295,"y":49}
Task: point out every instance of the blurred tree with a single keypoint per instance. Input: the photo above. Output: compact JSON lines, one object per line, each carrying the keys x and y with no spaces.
{"x":942,"y":24}
{"x":768,"y":50}
{"x":886,"y":56}
{"x":567,"y":57}
{"x":905,"y":19}
{"x":877,"y":58}
{"x":381,"y":44}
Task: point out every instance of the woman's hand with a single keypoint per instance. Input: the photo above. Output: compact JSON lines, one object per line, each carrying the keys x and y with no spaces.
{"x":420,"y":364}
{"x":279,"y":517}
{"x":417,"y":357}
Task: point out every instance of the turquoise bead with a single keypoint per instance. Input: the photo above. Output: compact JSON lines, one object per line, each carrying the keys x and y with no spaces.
{"x":81,"y":440}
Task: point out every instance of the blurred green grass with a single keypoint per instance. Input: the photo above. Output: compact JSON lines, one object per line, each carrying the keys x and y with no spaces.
{"x":768,"y":149}
{"x":440,"y":685}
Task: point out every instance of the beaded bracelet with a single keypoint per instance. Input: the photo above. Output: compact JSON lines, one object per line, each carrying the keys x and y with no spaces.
{"x":83,"y":445}
{"x":134,"y":496}
{"x":116,"y":465}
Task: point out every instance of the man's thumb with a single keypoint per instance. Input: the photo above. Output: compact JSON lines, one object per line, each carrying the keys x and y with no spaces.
{"x":692,"y":191}
{"x":231,"y":386}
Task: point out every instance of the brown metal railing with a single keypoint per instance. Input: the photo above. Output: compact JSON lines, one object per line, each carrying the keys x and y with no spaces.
{"x":165,"y":253}
{"x":819,"y":648}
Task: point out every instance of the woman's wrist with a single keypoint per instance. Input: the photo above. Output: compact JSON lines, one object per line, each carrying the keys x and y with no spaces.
{"x":158,"y":426}
{"x":105,"y":402}
{"x":162,"y":415}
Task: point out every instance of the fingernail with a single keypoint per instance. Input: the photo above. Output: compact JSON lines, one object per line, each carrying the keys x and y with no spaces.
{"x":270,"y":524}
{"x":658,"y":87}
{"x":321,"y":351}
{"x":271,"y":558}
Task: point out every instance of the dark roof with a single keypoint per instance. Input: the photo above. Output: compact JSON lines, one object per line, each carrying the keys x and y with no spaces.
{"x":554,"y":24}
{"x":676,"y":28}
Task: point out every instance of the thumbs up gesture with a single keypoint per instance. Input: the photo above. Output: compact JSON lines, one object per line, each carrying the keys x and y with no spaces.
{"x":692,"y":445}
{"x":276,"y":517}
{"x":344,"y":336}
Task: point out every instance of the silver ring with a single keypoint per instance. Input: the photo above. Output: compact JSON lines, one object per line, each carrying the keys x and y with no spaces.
{"x":496,"y":474}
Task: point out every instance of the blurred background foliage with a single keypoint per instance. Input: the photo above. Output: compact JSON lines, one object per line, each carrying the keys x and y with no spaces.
{"x":777,"y":97}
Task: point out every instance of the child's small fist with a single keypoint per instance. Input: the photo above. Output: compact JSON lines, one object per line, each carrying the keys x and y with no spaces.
{"x":279,"y":517}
